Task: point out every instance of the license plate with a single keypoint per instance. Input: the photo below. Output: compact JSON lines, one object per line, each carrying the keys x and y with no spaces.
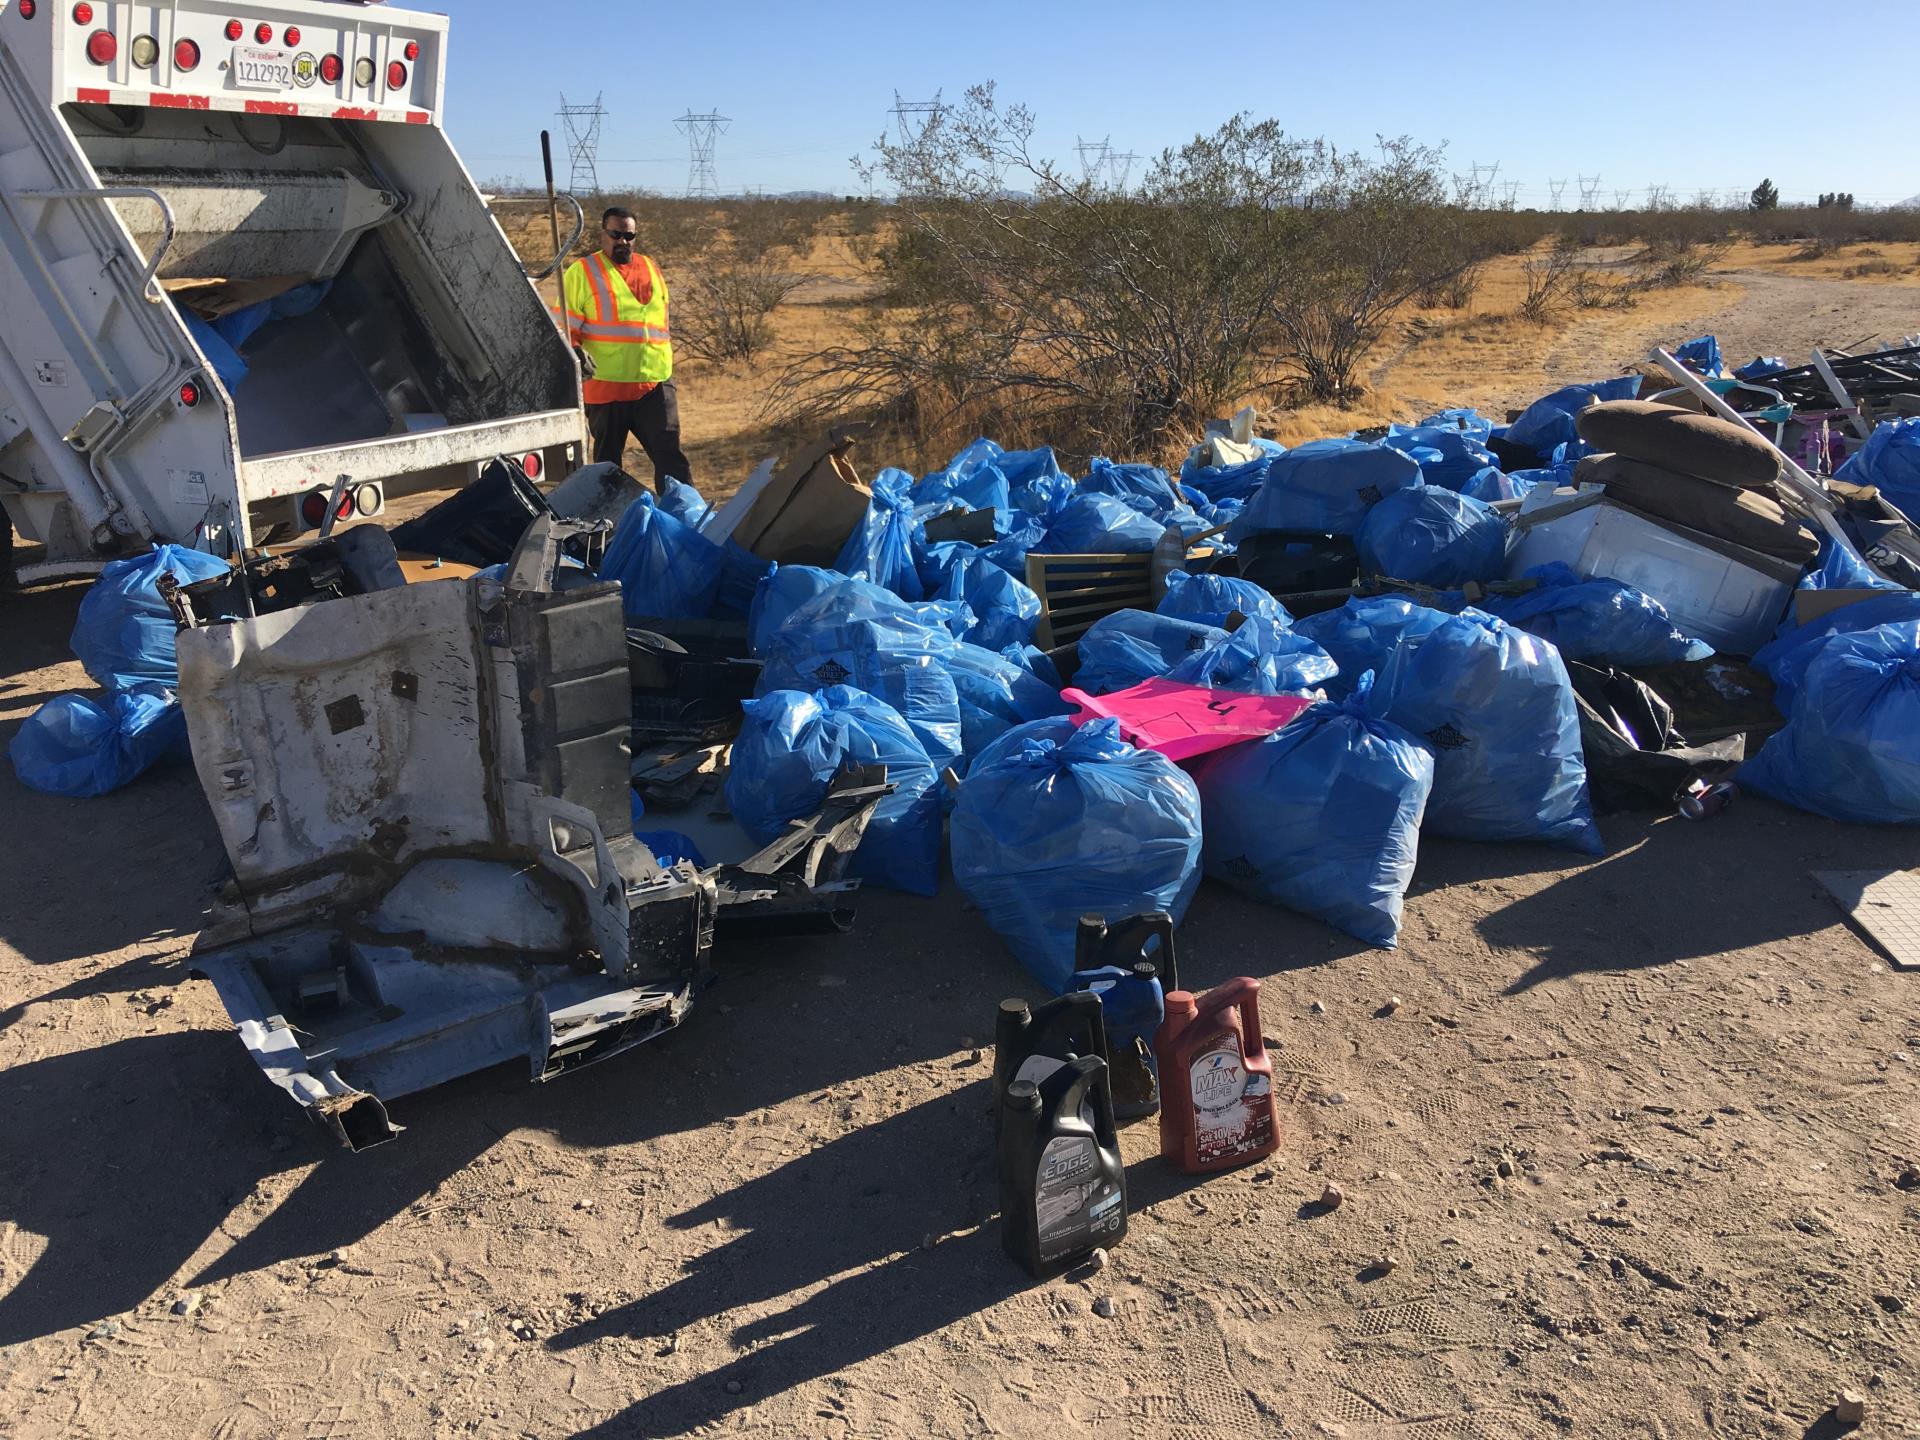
{"x":256,"y":69}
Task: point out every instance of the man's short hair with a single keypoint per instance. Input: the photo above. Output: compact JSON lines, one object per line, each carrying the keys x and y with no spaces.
{"x":615,"y":212}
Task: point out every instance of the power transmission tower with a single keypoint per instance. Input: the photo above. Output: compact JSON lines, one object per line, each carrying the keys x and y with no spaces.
{"x":1093,"y":157}
{"x":1557,"y":188}
{"x":1657,"y":197}
{"x":1589,"y":188}
{"x":581,"y":124}
{"x":1512,"y":190}
{"x":911,"y":117}
{"x":701,"y":132}
{"x":1620,"y":198}
{"x":1119,"y":167}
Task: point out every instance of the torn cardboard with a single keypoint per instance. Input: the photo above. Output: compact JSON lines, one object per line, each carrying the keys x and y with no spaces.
{"x":808,"y":507}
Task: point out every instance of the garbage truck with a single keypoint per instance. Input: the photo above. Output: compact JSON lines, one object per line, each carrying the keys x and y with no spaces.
{"x":245,"y":280}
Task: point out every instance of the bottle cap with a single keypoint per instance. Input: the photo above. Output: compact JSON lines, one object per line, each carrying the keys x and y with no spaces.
{"x":1182,"y":1003}
{"x":1015,"y":1007}
{"x":1146,"y":969}
{"x":1023,"y":1095}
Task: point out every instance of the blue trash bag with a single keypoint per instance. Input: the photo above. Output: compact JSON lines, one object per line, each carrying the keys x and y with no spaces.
{"x":1326,"y":487}
{"x":1497,"y":707}
{"x":669,"y":847}
{"x":783,"y":591}
{"x":887,"y":545}
{"x":1322,"y":816}
{"x":1025,"y":469}
{"x":791,"y":745}
{"x":1124,"y":648}
{"x":863,"y":636}
{"x":664,"y":567}
{"x":237,"y":327}
{"x":1447,"y":457}
{"x":1037,"y":663}
{"x":1840,"y":568}
{"x":221,"y":355}
{"x":1009,"y":552}
{"x":1785,"y":658}
{"x":1430,"y":536}
{"x":1548,"y":422}
{"x":1232,"y":482}
{"x":685,"y":503}
{"x":980,"y":486}
{"x":1224,"y":512}
{"x":1100,"y":525}
{"x":1262,"y":657}
{"x":1005,"y":609}
{"x":940,"y":560}
{"x":1891,"y":460}
{"x":1465,"y":419}
{"x":1760,"y":367}
{"x":1851,"y":746}
{"x":1493,"y":484}
{"x":1362,"y":633}
{"x":1601,"y":622}
{"x":73,"y":745}
{"x":1701,"y":355}
{"x":124,"y":632}
{"x":995,"y":694}
{"x":1055,"y":822}
{"x":741,"y":572}
{"x":1209,"y":599}
{"x":1145,"y":488}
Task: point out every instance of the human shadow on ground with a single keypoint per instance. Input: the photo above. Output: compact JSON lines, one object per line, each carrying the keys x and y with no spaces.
{"x":1672,"y":889}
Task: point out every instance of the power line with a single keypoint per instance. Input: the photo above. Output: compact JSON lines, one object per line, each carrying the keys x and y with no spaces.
{"x":913,"y":116}
{"x":1093,"y":157}
{"x":1589,"y":188}
{"x":1558,"y":187}
{"x":701,"y":132}
{"x":1120,"y":166}
{"x":582,"y":126}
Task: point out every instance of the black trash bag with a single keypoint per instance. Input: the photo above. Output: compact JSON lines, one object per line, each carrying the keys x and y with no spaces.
{"x":1636,"y":759}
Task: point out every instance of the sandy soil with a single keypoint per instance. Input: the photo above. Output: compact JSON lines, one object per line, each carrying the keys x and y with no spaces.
{"x":1632,"y":1137}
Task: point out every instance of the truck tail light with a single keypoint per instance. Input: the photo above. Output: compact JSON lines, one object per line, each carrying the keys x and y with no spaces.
{"x":189,"y":393}
{"x":330,"y":68}
{"x":313,"y":507}
{"x":396,"y":76}
{"x":102,"y":47}
{"x":263,"y":33}
{"x":83,"y":13}
{"x":291,"y":35}
{"x":186,"y":55}
{"x":27,"y":7}
{"x":531,"y":465}
{"x":367,"y":499}
{"x":412,"y":50}
{"x":235,"y":29}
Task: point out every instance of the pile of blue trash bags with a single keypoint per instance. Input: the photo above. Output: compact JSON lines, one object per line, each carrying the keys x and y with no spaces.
{"x":1448,"y":710}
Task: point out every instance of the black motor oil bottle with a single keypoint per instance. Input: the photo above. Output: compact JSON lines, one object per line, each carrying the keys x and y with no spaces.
{"x":1063,"y":1189}
{"x":1030,"y":1043}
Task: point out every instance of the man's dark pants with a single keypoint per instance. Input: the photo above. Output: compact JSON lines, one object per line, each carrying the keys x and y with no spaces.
{"x":653,"y":420}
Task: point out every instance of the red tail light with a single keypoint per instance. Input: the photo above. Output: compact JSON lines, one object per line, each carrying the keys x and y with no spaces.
{"x":27,"y":7}
{"x":235,"y":30}
{"x":186,"y":55}
{"x":189,"y":391}
{"x":532,"y":464}
{"x":291,"y":35}
{"x":83,"y":13}
{"x":313,"y":507}
{"x":263,"y":32}
{"x":102,"y":47}
{"x":396,"y":76}
{"x":330,"y":68}
{"x":412,"y":52}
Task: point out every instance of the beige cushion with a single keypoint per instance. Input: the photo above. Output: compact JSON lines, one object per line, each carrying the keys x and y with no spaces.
{"x":1745,"y":517}
{"x":1704,"y":446}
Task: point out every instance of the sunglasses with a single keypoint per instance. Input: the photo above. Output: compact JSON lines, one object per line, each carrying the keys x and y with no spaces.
{"x":623,"y":234}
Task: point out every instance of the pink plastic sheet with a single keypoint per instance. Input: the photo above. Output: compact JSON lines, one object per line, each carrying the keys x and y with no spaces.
{"x":1181,"y":721}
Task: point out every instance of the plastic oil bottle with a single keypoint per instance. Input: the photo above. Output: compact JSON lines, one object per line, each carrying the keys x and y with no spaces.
{"x":1217,"y":1108}
{"x":1030,"y":1043}
{"x":1063,"y":1188}
{"x":1111,"y":961}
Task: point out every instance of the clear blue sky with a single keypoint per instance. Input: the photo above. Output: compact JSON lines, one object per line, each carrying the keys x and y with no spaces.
{"x":1672,"y":95}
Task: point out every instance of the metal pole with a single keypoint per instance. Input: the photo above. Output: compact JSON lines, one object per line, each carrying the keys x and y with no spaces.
{"x":553,"y":220}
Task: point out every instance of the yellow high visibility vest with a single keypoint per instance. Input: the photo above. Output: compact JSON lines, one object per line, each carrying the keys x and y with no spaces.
{"x":629,"y":342}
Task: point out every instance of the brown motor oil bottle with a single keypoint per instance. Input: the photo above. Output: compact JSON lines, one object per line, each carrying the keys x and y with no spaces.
{"x":1216,"y":1082}
{"x":1063,"y":1188}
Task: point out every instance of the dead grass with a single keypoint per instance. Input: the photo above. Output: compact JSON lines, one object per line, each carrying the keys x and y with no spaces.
{"x":1479,"y":354}
{"x":1886,"y":262}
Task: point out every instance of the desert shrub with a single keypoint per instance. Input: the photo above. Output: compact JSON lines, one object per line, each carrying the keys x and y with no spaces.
{"x":1550,"y":274}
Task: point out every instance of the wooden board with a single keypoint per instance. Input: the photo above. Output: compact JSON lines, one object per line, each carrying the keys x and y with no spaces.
{"x":1885,"y":904}
{"x":1077,"y":590}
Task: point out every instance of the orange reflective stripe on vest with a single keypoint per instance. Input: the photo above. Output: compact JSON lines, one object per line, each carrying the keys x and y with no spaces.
{"x":629,"y":340}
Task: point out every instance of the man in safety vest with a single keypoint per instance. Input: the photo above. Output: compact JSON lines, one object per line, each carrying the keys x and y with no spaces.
{"x":617,"y":318}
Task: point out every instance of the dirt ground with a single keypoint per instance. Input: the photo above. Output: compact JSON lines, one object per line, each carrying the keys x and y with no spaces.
{"x":1631,"y":1137}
